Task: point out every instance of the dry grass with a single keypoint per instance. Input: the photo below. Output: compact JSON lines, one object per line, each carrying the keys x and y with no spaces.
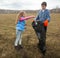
{"x":7,"y":37}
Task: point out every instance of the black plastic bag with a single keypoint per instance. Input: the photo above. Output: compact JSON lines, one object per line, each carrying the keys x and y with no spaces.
{"x":37,"y":26}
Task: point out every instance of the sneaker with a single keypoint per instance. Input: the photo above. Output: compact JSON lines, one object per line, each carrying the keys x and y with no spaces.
{"x":16,"y":47}
{"x":43,"y":51}
{"x":20,"y":47}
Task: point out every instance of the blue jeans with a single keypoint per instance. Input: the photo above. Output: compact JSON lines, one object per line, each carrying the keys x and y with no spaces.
{"x":18,"y":37}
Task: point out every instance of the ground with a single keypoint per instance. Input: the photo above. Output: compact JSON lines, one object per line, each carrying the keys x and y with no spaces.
{"x":30,"y":41}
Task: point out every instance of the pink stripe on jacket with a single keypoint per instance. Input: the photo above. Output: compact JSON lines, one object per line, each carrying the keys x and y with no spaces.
{"x":26,"y":18}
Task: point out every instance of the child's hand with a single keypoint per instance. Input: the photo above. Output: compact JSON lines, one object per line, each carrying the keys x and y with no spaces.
{"x":33,"y":16}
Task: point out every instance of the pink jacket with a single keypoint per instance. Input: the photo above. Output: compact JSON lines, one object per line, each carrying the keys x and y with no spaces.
{"x":26,"y":18}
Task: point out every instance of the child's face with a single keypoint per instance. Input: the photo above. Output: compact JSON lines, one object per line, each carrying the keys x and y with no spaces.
{"x":43,"y":6}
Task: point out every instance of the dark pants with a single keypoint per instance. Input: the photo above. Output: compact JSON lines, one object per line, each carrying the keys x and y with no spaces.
{"x":42,"y":38}
{"x":40,"y":31}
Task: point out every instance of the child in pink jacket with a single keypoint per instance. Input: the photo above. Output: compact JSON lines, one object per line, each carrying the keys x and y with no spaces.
{"x":20,"y":27}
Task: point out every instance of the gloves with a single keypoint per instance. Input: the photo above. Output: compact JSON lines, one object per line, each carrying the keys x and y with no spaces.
{"x":46,"y":23}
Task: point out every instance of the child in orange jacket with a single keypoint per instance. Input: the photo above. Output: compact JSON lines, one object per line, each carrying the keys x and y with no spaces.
{"x":40,"y":26}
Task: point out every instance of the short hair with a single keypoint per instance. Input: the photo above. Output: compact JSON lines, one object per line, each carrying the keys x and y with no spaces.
{"x":44,"y":3}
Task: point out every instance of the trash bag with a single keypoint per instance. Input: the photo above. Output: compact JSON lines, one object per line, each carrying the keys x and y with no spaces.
{"x":37,"y":26}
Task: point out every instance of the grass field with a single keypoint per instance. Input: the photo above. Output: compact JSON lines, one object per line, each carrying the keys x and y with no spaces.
{"x":30,"y":50}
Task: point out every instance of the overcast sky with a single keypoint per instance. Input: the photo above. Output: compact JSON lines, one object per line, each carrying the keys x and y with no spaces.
{"x":27,"y":4}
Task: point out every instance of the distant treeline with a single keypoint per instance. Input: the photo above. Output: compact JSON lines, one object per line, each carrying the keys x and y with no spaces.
{"x":28,"y":11}
{"x":57,"y":10}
